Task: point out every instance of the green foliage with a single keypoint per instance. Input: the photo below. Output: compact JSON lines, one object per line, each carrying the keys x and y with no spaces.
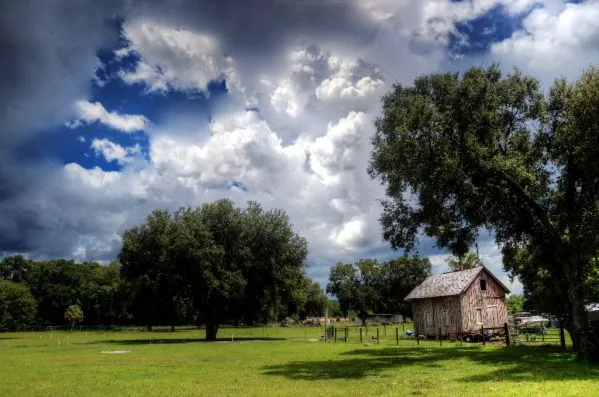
{"x":515,"y":304}
{"x":370,"y":286}
{"x":17,"y":306}
{"x":73,"y":314}
{"x":58,"y":284}
{"x":15,"y":268}
{"x":468,"y":261}
{"x":398,"y":277}
{"x":316,"y":301}
{"x":592,"y":281}
{"x":226,"y":264}
{"x":462,"y":153}
{"x":334,"y":308}
{"x":343,"y":281}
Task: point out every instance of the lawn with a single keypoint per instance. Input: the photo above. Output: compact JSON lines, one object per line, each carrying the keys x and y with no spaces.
{"x":290,"y":363}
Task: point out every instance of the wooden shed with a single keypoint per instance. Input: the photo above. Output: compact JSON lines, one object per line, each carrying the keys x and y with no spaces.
{"x":459,"y":302}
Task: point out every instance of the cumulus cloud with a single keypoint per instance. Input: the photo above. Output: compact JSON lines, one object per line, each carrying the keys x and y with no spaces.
{"x":174,"y":58}
{"x":554,"y":39}
{"x":91,"y":112}
{"x":314,"y":71}
{"x":114,"y":152}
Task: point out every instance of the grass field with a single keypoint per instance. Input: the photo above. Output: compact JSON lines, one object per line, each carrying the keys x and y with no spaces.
{"x":290,"y":363}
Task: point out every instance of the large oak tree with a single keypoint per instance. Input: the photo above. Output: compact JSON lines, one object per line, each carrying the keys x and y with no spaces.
{"x":480,"y":150}
{"x":228,"y":264}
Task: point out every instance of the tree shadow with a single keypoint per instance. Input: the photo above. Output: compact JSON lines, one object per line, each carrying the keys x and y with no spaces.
{"x":536,"y":363}
{"x":166,"y":341}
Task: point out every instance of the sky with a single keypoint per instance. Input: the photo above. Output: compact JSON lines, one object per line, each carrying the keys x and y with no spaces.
{"x":109,"y":110}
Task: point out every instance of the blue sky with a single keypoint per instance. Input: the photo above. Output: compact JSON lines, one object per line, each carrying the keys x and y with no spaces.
{"x":110,"y":111}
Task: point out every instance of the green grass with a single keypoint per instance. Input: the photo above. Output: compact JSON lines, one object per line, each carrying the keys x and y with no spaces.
{"x":181,"y":364}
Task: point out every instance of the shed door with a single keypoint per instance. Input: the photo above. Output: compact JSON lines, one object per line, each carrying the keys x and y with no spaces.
{"x":492,"y":320}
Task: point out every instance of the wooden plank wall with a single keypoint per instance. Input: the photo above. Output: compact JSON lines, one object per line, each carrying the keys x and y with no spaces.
{"x":492,"y":304}
{"x":435,"y":313}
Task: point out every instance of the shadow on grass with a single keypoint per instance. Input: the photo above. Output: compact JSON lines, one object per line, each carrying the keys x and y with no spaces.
{"x":520,"y":363}
{"x":156,"y":341}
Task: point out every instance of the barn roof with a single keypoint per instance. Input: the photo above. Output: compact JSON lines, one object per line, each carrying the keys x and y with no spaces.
{"x":448,"y":284}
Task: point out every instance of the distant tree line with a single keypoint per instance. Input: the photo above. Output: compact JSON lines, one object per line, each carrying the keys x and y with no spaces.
{"x":372,"y":287}
{"x":207,"y":266}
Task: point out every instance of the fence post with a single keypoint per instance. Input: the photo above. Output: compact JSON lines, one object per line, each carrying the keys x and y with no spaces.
{"x":506,"y":329}
{"x":396,"y":336}
{"x":562,"y":337}
{"x":360,"y":334}
{"x":366,"y":325}
{"x":377,"y":336}
{"x":346,"y":334}
{"x":482,"y":332}
{"x":440,"y":340}
{"x":417,"y":337}
{"x":335,"y":332}
{"x":542,"y":335}
{"x":385,"y":329}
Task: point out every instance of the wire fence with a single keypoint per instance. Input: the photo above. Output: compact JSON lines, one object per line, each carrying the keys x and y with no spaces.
{"x":343,"y":333}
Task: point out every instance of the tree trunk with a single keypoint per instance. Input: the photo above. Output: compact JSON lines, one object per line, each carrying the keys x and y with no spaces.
{"x":585,"y":343}
{"x":211,"y":329}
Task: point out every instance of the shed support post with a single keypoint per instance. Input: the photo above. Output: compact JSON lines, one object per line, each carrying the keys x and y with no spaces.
{"x":506,"y":330}
{"x":482,"y":332}
{"x":440,"y":340}
{"x":377,"y":336}
{"x":397,"y":336}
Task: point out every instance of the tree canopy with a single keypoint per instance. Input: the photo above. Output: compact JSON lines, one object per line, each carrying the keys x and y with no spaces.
{"x":226,"y":263}
{"x":460,"y":153}
{"x":468,"y":261}
{"x":370,"y":286}
{"x":17,"y":306}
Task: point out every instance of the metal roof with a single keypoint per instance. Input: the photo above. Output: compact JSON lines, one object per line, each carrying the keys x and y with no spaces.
{"x":448,"y":284}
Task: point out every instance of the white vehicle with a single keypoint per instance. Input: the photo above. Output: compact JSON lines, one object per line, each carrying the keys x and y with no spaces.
{"x":534,"y":319}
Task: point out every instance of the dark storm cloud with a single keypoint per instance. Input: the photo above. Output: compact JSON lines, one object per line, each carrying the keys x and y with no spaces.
{"x":48,"y":53}
{"x":260,"y":26}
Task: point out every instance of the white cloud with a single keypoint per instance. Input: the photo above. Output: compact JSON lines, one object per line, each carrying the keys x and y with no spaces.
{"x":554,"y":39}
{"x":307,"y":149}
{"x":94,"y":111}
{"x":114,"y":152}
{"x":175,"y":58}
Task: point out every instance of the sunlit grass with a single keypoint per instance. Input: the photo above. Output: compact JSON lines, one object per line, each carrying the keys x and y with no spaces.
{"x":242,"y":363}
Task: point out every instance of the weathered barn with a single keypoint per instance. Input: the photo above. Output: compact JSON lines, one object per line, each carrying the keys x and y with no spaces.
{"x":459,"y":302}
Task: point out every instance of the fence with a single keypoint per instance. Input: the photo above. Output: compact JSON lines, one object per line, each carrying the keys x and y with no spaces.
{"x":509,"y":335}
{"x":523,"y":334}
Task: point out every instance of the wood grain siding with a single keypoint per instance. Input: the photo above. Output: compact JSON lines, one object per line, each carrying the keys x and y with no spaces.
{"x":490,"y":304}
{"x":432,"y":314}
{"x":465,"y":306}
